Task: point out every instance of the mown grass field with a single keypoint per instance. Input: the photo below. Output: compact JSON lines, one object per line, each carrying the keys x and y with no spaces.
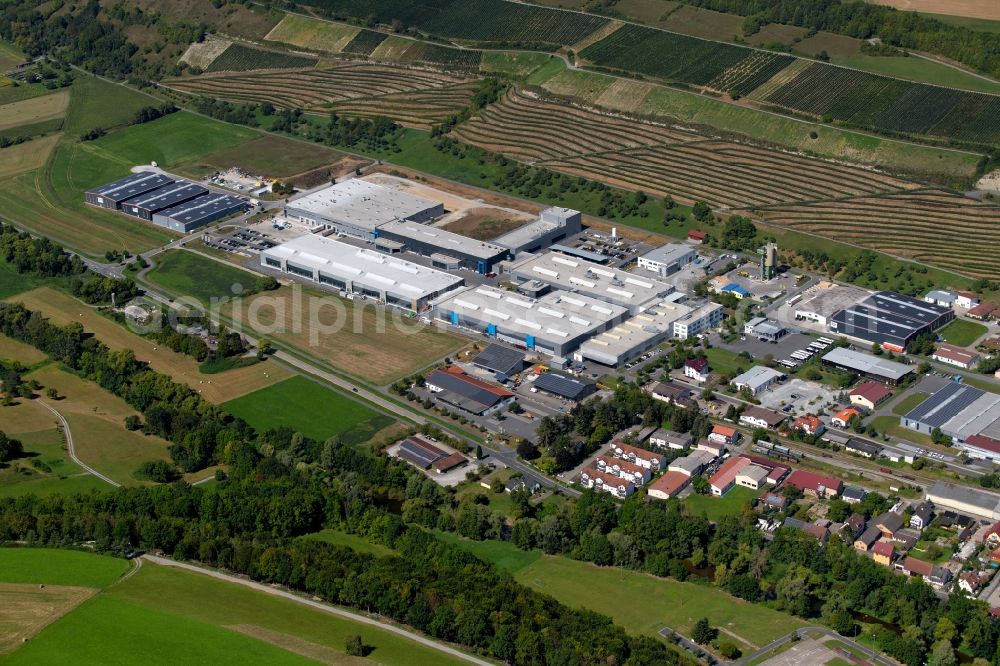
{"x":307,"y":407}
{"x":908,"y":403}
{"x":163,"y":615}
{"x":357,"y":338}
{"x":716,"y":508}
{"x":61,"y":309}
{"x":666,"y":602}
{"x":962,"y":332}
{"x":26,"y":156}
{"x":269,"y":155}
{"x":194,"y":275}
{"x":34,"y":110}
{"x":352,"y":541}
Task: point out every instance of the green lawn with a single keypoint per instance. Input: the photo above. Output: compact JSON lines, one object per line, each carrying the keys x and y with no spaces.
{"x":194,"y":275}
{"x":962,"y":332}
{"x":909,"y":402}
{"x":268,"y":155}
{"x":726,"y":362}
{"x":890,"y":425}
{"x":59,"y":567}
{"x":13,"y":283}
{"x":505,"y":555}
{"x":307,"y":407}
{"x":352,"y":541}
{"x":716,"y":508}
{"x":99,"y":103}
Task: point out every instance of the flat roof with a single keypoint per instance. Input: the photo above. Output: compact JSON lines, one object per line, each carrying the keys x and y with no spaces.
{"x":206,"y":205}
{"x":595,"y":257}
{"x":131,"y":186}
{"x":866,"y":363}
{"x":364,"y":266}
{"x":907,"y":307}
{"x":558,"y":315}
{"x":590,"y":278}
{"x":446,"y":240}
{"x":889,"y":314}
{"x":669,"y":253}
{"x":987,"y":502}
{"x":362,"y":204}
{"x":827,"y":298}
{"x":758,"y":376}
{"x":657,"y":321}
{"x":166,"y":196}
{"x":525,"y":234}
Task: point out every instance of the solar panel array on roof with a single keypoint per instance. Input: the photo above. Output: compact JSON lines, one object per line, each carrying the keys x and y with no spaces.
{"x":160,"y":199}
{"x":419,"y":452}
{"x":453,"y":384}
{"x":561,"y":385}
{"x":497,"y":358}
{"x":111,"y":194}
{"x":945,"y":404}
{"x":889,"y":318}
{"x":198,"y":211}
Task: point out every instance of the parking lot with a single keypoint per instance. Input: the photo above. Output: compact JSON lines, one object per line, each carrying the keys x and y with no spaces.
{"x":241,"y":240}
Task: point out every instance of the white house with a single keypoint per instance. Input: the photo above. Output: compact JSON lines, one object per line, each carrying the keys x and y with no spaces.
{"x":667,"y":439}
{"x":642,"y":457}
{"x":624,"y":470}
{"x":697,"y":369}
{"x":606,"y":482}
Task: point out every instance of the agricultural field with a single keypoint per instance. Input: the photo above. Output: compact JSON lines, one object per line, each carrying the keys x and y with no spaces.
{"x":191,"y":274}
{"x":312,"y":34}
{"x":269,"y":155}
{"x":10,"y":56}
{"x":240,"y":58}
{"x":34,"y":110}
{"x":422,"y":110}
{"x":341,"y":333}
{"x":978,"y":9}
{"x":906,"y":224}
{"x":201,"y":54}
{"x":317,"y":88}
{"x":308,"y":407}
{"x":478,"y":21}
{"x":517,"y":65}
{"x":890,"y":105}
{"x":167,"y":610}
{"x":27,"y":156}
{"x":660,"y":160}
{"x":61,"y":309}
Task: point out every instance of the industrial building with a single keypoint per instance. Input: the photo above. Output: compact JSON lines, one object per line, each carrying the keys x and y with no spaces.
{"x":633,"y":336}
{"x":457,"y":389}
{"x":768,"y":261}
{"x":668,"y":259}
{"x":562,"y":386}
{"x":756,"y":379}
{"x":964,"y":499}
{"x":765,"y":329}
{"x":556,"y":323}
{"x":146,"y":205}
{"x":867,"y":365}
{"x":552,"y":225}
{"x":446,"y":249}
{"x":591,"y":279}
{"x":110,"y":195}
{"x":820,"y":302}
{"x":356,"y":208}
{"x":889,"y":319}
{"x":959,"y":411}
{"x":199,"y":211}
{"x":354,"y":270}
{"x":500,"y":360}
{"x":704,"y":318}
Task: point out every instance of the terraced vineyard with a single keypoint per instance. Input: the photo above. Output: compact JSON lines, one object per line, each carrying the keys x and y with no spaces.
{"x":674,"y":57}
{"x":660,"y":160}
{"x":933,"y":226}
{"x":482,"y":21}
{"x":890,"y":105}
{"x":315,"y":88}
{"x":240,"y":58}
{"x":743,"y":78}
{"x":422,"y":109}
{"x":365,"y":42}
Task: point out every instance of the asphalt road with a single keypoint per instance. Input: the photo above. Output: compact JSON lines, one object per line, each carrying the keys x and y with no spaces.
{"x":326,"y":608}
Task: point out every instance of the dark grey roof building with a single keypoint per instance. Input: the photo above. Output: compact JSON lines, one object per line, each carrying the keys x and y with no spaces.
{"x":500,"y":359}
{"x":199,"y":211}
{"x":419,"y":452}
{"x":890,"y":319}
{"x":110,"y":195}
{"x":563,"y":386}
{"x":154,"y":201}
{"x":467,"y":393}
{"x":959,"y":410}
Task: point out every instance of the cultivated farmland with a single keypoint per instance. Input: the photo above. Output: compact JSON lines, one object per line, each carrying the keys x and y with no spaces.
{"x":312,"y":34}
{"x":316,"y":88}
{"x":422,"y":109}
{"x":240,"y":58}
{"x":660,"y":160}
{"x":932,"y":226}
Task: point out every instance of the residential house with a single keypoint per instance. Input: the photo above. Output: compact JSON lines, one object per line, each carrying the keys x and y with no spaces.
{"x":867,"y":539}
{"x":672,"y":393}
{"x":775,"y":501}
{"x":521,"y":483}
{"x":809,"y":424}
{"x":855,"y":525}
{"x":668,"y":485}
{"x":697,"y":369}
{"x":715,"y":447}
{"x":954,"y":355}
{"x":692,"y":463}
{"x":906,"y":538}
{"x":883,"y":552}
{"x":758,"y":417}
{"x":816,"y":485}
{"x":606,"y":482}
{"x":633,"y":454}
{"x":624,"y":469}
{"x":853,"y":494}
{"x":870,"y":395}
{"x":922,"y":517}
{"x":971,"y":582}
{"x":888,"y":523}
{"x":668,"y":439}
{"x":724,"y":434}
{"x":967,"y":300}
{"x":863,"y":448}
{"x":842,"y":419}
{"x":819,"y":531}
{"x":934,"y":575}
{"x":992,"y":536}
{"x":982,"y":312}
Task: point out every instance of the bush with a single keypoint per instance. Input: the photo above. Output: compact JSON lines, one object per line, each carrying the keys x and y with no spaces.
{"x":157,"y":470}
{"x":354,"y":646}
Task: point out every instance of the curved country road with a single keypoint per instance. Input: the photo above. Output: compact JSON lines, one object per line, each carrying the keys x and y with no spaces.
{"x":260,"y":587}
{"x":72,"y":451}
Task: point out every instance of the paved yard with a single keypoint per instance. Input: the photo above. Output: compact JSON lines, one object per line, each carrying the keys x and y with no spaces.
{"x":807,"y":652}
{"x":810,"y":396}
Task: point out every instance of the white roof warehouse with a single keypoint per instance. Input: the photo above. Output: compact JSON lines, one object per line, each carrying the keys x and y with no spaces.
{"x":555,"y":324}
{"x":633,"y":336}
{"x":359,"y":271}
